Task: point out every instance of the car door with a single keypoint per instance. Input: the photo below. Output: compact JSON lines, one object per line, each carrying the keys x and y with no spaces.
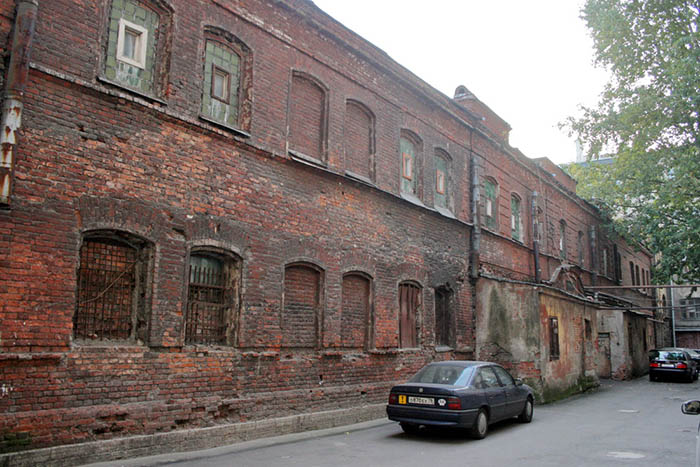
{"x":515,"y":399}
{"x":494,"y":392}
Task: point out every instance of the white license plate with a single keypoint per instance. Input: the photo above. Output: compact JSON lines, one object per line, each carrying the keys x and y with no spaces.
{"x":667,"y":365}
{"x":421,"y":400}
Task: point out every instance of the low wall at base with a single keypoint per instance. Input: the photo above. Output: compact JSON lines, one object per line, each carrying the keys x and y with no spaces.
{"x":188,"y":440}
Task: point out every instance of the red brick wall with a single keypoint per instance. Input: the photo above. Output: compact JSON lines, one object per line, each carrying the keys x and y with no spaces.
{"x":95,"y":157}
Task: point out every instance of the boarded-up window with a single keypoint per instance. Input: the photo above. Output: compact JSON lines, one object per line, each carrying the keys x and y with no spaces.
{"x":300,"y":315}
{"x":444,"y":330}
{"x":307,"y":117}
{"x":491,"y":204}
{"x":553,"y":339}
{"x":212,"y":299}
{"x":112,"y":289}
{"x":359,"y":140}
{"x":409,"y":306}
{"x":355,"y":317}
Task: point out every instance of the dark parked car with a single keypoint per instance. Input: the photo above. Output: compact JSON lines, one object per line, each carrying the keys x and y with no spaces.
{"x":695,"y":356}
{"x":674,"y":362}
{"x":463,"y":394}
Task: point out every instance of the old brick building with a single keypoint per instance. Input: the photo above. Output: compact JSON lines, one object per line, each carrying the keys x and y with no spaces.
{"x":218,"y":213}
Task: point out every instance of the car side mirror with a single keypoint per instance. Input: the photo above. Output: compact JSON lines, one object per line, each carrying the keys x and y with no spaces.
{"x":691,"y":407}
{"x":518,"y":382}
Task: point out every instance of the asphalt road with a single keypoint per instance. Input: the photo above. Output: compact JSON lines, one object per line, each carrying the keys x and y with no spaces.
{"x":631,"y":423}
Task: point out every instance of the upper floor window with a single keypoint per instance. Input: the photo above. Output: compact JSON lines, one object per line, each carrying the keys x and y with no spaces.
{"x":581,"y":238}
{"x":212,"y":298}
{"x":113,"y":287}
{"x":605,"y":262}
{"x":136,"y":36}
{"x":221,"y":83}
{"x":562,"y":239}
{"x":359,"y":140}
{"x":491,"y":204}
{"x":516,"y":222}
{"x":442,"y":193}
{"x":633,"y":279}
{"x":410,"y":148}
{"x":308,"y":116}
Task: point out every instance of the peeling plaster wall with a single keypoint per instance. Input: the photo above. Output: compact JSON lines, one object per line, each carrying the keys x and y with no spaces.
{"x":513,"y":329}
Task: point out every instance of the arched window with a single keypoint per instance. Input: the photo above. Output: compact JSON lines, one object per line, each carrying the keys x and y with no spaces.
{"x":410,"y":302}
{"x":301,"y":312}
{"x":355,"y":319}
{"x":113,"y":287}
{"x":227,"y":79}
{"x":410,"y":151}
{"x":213,"y":297}
{"x":562,"y":239}
{"x":136,"y":50}
{"x":359,"y":140}
{"x":307,"y":116}
{"x":491,"y":204}
{"x":516,"y":221}
{"x":442,"y":189}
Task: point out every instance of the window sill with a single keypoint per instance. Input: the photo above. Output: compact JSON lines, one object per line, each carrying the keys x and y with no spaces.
{"x":130,"y":90}
{"x":359,"y":178}
{"x":445,"y":212}
{"x":304,"y":159}
{"x":413,"y":199}
{"x":443,"y":348}
{"x":232,"y":129}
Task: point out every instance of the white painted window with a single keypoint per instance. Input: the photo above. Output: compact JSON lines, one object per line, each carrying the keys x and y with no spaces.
{"x":131,"y":43}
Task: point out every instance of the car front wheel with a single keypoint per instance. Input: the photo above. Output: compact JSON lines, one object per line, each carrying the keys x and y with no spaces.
{"x":526,"y":415}
{"x":481,"y":425}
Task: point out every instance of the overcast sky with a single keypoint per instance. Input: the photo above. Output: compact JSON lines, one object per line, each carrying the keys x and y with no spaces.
{"x":531,"y":62}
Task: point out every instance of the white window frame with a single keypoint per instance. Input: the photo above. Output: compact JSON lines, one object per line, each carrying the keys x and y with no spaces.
{"x":141,"y":44}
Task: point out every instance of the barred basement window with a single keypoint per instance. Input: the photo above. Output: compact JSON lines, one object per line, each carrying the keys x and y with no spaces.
{"x":553,"y":339}
{"x":212,"y":298}
{"x":113,"y":287}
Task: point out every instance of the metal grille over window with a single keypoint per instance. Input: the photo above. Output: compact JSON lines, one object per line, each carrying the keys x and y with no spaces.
{"x":208,"y":301}
{"x":106,"y":285}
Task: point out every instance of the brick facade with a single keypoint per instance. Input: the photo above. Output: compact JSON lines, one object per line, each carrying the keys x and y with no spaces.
{"x":300,"y":196}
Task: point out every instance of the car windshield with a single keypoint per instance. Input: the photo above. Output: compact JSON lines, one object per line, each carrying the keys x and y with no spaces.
{"x":441,"y":374}
{"x":672,"y":355}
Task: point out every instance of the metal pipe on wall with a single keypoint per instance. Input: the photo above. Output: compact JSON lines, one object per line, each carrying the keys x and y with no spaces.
{"x":17,"y":77}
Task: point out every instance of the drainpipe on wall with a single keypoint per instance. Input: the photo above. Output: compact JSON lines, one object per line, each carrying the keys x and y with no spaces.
{"x":476,"y":231}
{"x":594,"y":255}
{"x":536,"y":237}
{"x":17,"y":77}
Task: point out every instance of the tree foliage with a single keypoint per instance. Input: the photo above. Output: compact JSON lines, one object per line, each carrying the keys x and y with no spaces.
{"x":648,"y":121}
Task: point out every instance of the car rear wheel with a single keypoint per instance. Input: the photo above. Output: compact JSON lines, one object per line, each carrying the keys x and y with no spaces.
{"x":409,"y":428}
{"x":481,"y":425}
{"x":526,"y":415}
